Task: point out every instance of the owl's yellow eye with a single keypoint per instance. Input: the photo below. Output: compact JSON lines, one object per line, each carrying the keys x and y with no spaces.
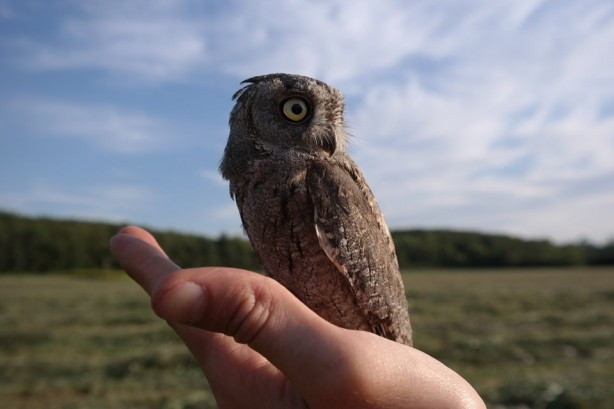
{"x":295,"y":109}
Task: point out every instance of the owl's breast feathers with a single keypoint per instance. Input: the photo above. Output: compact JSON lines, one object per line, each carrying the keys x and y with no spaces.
{"x":316,"y":228}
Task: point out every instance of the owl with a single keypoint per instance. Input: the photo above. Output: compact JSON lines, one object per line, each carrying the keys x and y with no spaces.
{"x":309,"y":214}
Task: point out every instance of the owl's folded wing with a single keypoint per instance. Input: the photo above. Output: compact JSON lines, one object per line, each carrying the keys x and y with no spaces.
{"x":352,"y":232}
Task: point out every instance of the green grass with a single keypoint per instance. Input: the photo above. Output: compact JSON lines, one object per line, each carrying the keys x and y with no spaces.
{"x":523,"y":338}
{"x":538,"y":338}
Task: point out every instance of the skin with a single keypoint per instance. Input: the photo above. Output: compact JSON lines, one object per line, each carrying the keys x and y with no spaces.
{"x":260,"y":347}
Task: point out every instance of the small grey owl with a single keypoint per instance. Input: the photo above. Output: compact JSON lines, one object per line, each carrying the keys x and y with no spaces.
{"x":311,"y":218}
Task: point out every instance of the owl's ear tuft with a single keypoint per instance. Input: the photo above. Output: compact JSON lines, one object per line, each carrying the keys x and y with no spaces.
{"x":256,"y":79}
{"x":240,"y":92}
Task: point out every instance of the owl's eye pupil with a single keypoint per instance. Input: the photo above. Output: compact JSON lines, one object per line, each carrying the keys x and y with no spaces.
{"x":297,"y":109}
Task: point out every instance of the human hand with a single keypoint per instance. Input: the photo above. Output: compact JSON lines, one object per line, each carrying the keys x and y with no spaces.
{"x":260,"y":347}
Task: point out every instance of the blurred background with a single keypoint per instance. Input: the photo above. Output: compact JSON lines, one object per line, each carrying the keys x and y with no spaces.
{"x":485,"y":129}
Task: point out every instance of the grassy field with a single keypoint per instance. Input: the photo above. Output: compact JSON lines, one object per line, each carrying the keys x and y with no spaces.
{"x":523,"y":338}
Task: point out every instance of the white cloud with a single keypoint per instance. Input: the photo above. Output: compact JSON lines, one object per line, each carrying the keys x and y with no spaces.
{"x":469,"y":161}
{"x":105,"y":126}
{"x":139,"y":40}
{"x":112,"y":202}
{"x":508,"y":134}
{"x":338,"y":41}
{"x":334,"y":40}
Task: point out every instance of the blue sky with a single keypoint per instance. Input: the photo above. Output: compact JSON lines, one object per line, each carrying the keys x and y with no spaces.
{"x":489,"y":116}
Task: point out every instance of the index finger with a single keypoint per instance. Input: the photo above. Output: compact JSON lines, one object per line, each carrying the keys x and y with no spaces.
{"x":140,"y":255}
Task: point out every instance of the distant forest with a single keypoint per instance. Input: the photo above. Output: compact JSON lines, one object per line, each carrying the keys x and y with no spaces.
{"x":45,"y":245}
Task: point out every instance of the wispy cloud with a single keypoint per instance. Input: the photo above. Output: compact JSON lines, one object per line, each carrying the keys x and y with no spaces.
{"x":106,"y":126}
{"x":334,"y":40}
{"x":467,"y":160}
{"x":147,"y":40}
{"x":509,"y":131}
{"x":113,"y":202}
{"x":337,"y":41}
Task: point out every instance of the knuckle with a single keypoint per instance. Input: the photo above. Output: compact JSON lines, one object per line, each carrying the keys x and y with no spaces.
{"x":160,"y":289}
{"x":251,"y":314}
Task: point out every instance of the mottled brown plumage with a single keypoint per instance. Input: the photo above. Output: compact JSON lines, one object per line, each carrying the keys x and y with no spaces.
{"x":309,"y":214}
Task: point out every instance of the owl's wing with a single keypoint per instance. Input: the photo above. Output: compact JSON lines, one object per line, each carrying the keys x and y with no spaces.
{"x":352,"y":232}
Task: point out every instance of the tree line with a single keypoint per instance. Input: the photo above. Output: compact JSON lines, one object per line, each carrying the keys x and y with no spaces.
{"x":44,"y":244}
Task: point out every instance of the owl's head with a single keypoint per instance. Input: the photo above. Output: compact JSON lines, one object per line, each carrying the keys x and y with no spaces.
{"x":279,"y":113}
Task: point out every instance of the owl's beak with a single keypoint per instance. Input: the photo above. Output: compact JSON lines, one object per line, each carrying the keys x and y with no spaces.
{"x":330,"y":144}
{"x":328,"y":140}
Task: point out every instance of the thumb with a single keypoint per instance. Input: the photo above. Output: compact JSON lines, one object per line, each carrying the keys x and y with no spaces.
{"x":260,"y":312}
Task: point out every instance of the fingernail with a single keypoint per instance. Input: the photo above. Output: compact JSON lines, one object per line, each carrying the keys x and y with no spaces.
{"x":183,"y":304}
